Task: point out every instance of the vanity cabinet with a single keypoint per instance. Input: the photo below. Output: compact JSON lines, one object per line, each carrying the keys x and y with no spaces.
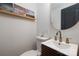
{"x":47,"y":51}
{"x":51,"y":48}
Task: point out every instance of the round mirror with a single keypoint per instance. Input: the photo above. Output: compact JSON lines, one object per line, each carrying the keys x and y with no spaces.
{"x":64,"y":15}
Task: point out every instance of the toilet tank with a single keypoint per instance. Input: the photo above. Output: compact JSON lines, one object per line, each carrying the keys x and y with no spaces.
{"x":39,"y":41}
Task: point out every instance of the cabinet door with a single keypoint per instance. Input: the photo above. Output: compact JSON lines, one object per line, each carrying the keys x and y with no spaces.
{"x":46,"y":51}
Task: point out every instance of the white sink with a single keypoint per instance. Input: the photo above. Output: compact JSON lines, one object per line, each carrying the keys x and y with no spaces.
{"x":62,"y":45}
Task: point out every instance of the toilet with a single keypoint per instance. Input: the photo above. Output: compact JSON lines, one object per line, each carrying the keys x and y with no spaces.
{"x":38,"y":51}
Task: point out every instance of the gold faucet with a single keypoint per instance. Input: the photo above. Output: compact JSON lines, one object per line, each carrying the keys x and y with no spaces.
{"x":60,"y":36}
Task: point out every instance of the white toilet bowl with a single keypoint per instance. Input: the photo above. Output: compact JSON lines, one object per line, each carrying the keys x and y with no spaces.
{"x":31,"y":53}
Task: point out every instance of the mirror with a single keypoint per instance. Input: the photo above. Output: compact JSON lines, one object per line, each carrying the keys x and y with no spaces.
{"x":64,"y":15}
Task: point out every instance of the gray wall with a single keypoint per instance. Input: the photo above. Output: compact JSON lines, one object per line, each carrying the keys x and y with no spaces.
{"x":43,"y":23}
{"x":17,"y":35}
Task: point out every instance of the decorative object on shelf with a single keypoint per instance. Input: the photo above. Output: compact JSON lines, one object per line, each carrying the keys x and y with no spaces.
{"x":29,"y":13}
{"x":7,"y":7}
{"x":16,"y":10}
{"x":19,"y":10}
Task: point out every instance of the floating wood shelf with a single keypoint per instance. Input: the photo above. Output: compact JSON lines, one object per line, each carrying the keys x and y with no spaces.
{"x":14,"y":14}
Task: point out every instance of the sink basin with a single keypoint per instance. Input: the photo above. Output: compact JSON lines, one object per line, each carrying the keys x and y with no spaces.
{"x":62,"y":45}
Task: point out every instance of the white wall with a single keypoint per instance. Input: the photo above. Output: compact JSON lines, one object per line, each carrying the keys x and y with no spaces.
{"x":45,"y":13}
{"x":43,"y":23}
{"x":73,"y":32}
{"x":17,"y":35}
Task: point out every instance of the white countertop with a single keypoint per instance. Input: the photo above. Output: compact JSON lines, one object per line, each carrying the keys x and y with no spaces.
{"x":70,"y":49}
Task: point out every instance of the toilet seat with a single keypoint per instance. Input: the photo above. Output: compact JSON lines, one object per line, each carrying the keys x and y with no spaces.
{"x":31,"y":53}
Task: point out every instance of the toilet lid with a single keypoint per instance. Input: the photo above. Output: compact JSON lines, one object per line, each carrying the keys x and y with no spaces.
{"x":30,"y":53}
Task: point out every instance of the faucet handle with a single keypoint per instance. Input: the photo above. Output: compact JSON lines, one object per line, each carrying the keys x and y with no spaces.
{"x":57,"y":33}
{"x":67,"y":40}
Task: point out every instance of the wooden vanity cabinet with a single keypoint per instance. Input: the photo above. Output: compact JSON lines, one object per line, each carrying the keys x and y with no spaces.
{"x":47,"y":51}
